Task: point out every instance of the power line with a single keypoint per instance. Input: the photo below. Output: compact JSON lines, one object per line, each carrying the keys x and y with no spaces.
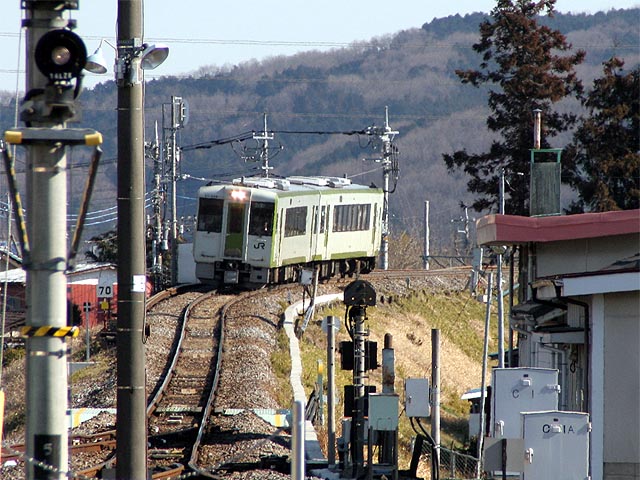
{"x":222,"y":141}
{"x":321,"y":43}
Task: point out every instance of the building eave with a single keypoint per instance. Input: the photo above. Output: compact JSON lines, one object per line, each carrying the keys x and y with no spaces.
{"x":512,"y":229}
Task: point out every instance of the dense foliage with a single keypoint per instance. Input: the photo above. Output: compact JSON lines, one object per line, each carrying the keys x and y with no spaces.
{"x":604,"y":158}
{"x":524,"y":73}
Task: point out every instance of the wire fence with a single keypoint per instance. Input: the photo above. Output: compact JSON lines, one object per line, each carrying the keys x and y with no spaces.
{"x":453,"y":465}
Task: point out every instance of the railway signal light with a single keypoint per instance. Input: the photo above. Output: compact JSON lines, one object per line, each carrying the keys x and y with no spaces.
{"x":60,"y":55}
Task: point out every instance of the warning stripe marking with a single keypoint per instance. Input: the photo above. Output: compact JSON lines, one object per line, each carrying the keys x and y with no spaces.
{"x":48,"y":331}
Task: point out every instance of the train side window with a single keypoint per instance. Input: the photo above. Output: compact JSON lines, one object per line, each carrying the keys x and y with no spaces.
{"x":351,"y":218}
{"x":261,"y":221}
{"x":337,"y":218}
{"x":295,"y":222}
{"x":210,"y":215}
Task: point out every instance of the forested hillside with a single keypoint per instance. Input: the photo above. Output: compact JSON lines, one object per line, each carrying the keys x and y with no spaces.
{"x":344,"y":90}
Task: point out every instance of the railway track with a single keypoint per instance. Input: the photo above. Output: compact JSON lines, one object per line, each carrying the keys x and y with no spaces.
{"x":181,"y":417}
{"x":180,"y":407}
{"x":191,"y":430}
{"x":416,"y":273}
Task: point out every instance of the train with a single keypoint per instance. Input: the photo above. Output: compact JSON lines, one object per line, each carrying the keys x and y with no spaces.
{"x":259,"y":231}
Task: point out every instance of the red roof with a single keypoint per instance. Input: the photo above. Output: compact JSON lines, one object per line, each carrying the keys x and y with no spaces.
{"x":512,"y":229}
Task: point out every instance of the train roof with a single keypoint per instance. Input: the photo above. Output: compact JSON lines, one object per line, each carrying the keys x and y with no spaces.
{"x":297,"y":184}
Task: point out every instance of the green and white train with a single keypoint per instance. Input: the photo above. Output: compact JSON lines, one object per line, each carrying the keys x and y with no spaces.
{"x":258,"y":231}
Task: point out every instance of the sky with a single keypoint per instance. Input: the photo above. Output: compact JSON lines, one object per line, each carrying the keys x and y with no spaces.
{"x":208,"y":32}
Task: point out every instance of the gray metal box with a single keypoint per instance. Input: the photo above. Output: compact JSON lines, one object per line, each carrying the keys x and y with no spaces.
{"x":556,"y":445}
{"x":503,"y":452}
{"x":383,"y":411}
{"x":416,"y":397}
{"x":517,"y":390}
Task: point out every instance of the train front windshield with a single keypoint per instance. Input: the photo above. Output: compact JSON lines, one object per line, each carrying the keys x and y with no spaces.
{"x":210,"y":215}
{"x":261,"y":219}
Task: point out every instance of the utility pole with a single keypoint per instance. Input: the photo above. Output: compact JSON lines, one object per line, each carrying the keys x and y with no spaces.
{"x":55,"y":59}
{"x":156,"y":221}
{"x":389,"y":162}
{"x":264,"y":150}
{"x":47,"y":382}
{"x":178,"y":119}
{"x":131,"y":425}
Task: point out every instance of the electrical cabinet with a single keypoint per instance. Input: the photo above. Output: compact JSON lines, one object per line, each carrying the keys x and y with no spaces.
{"x":416,"y":397}
{"x":517,"y":390}
{"x":556,"y":445}
{"x":383,"y":411}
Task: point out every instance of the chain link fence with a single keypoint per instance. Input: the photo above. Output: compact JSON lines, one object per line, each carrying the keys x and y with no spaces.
{"x":453,"y":465}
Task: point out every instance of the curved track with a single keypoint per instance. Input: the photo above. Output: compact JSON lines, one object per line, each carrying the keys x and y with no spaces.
{"x":181,"y":403}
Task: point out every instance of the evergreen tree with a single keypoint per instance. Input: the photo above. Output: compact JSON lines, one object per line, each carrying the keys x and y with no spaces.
{"x":105,"y":248}
{"x":604,"y":157}
{"x":523,"y":72}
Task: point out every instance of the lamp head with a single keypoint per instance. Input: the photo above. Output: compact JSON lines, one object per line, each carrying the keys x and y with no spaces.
{"x":153,"y":56}
{"x":96,"y":63}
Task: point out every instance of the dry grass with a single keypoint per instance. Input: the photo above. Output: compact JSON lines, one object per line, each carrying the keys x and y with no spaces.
{"x":410,"y":321}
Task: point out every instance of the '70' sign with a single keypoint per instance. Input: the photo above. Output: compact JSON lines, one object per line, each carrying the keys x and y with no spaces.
{"x":104,"y":289}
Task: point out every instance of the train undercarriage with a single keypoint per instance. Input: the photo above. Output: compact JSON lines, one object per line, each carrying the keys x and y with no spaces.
{"x":238,"y":273}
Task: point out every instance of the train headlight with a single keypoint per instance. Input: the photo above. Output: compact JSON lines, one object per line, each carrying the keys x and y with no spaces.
{"x":239,"y":195}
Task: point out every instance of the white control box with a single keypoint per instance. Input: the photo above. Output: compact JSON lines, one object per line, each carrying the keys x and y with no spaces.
{"x":416,"y":397}
{"x":517,"y":390}
{"x":556,"y":445}
{"x":383,"y":411}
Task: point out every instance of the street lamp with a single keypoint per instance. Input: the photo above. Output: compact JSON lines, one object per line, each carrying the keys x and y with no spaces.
{"x":132,"y":56}
{"x":150,"y":55}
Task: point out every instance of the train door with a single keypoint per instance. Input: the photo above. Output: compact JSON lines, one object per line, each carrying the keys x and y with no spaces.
{"x":323,"y":231}
{"x":313,"y":238}
{"x":234,"y":240}
{"x":376,"y":236}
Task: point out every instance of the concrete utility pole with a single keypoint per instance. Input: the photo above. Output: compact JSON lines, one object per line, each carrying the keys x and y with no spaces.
{"x":153,"y":152}
{"x":55,"y":59}
{"x":178,"y":120}
{"x":389,"y":165}
{"x":264,"y":150}
{"x":131,"y":425}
